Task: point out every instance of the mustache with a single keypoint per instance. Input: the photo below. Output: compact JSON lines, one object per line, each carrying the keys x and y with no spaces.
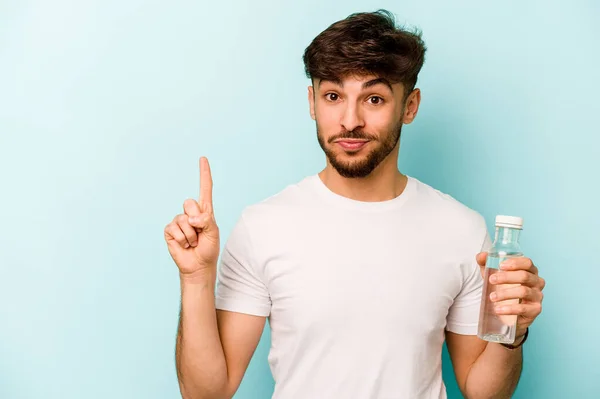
{"x":356,"y":134}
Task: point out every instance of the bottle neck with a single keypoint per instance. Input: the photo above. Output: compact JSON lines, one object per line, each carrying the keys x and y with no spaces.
{"x":507,"y":235}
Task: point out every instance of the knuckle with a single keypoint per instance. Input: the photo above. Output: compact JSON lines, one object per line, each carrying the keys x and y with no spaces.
{"x":533,"y":280}
{"x":522,"y":310}
{"x":541,"y":296}
{"x":176,"y":233}
{"x":172,"y":228}
{"x":168,"y":233}
{"x":523,"y":276}
{"x":181,"y":239}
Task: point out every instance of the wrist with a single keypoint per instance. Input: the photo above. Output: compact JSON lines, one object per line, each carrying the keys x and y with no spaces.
{"x":206,"y":276}
{"x":520,"y":338}
{"x":197,"y":288}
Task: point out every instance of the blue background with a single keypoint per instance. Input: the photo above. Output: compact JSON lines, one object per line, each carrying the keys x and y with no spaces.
{"x":105,"y":107}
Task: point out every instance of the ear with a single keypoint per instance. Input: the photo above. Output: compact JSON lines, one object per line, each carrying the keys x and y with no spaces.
{"x":311,"y":101}
{"x":412,"y":106}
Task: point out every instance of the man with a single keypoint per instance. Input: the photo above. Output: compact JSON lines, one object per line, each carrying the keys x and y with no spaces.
{"x":363,"y":271}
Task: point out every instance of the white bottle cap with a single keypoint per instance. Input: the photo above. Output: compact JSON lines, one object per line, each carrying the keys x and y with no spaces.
{"x":513,"y":222}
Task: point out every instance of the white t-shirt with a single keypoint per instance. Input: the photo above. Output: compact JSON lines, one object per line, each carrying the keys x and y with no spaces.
{"x":358,"y":294}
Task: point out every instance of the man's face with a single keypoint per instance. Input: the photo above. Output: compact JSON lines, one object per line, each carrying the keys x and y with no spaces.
{"x":359,"y":120}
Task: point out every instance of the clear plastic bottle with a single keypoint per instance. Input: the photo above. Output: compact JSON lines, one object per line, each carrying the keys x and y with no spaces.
{"x":494,"y":327}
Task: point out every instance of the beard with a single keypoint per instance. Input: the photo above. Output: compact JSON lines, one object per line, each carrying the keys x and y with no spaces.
{"x":362,"y":165}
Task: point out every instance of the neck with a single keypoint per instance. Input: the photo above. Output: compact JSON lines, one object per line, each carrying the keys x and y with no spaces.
{"x":386,"y":182}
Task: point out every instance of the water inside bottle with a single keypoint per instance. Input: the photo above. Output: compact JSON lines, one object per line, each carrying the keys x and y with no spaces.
{"x":494,"y":327}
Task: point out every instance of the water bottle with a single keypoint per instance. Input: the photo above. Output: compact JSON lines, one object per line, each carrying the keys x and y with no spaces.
{"x":493,"y":327}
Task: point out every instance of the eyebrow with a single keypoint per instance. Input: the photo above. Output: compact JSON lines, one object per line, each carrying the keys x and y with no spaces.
{"x":334,"y":81}
{"x":377,"y":81}
{"x":366,"y":85}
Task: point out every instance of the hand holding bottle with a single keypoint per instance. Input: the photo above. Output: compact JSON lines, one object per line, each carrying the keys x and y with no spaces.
{"x":512,"y":293}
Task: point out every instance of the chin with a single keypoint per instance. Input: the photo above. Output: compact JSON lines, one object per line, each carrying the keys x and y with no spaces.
{"x":353,"y":173}
{"x":357,"y":166}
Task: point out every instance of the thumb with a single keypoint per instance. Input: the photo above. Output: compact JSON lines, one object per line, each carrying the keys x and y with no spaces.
{"x":481,"y":258}
{"x":205,"y":222}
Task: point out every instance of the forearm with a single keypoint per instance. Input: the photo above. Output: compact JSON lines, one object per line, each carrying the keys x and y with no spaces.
{"x":201,"y":366}
{"x":495,"y":374}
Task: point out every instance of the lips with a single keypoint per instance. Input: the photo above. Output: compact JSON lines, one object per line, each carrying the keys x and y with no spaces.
{"x":352,"y":145}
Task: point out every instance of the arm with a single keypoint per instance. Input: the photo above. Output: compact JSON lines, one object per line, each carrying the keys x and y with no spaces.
{"x":482,"y":369}
{"x":213,"y":347}
{"x":489,"y":370}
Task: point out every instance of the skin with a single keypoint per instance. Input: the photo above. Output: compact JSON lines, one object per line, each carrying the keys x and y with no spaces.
{"x":214,"y":348}
{"x":374,"y":108}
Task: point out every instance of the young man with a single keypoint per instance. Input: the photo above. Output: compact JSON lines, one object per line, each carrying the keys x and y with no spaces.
{"x":363,"y":271}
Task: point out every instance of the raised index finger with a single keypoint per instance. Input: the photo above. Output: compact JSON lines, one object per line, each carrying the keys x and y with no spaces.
{"x":205,"y":183}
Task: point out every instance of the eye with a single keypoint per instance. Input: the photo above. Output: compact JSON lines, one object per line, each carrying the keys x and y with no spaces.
{"x":332,"y":96}
{"x":375,"y":100}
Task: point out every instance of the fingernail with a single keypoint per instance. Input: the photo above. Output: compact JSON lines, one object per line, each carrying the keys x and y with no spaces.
{"x":500,"y":309}
{"x":194,"y":244}
{"x":493,"y":296}
{"x":493,"y":278}
{"x":195,"y":219}
{"x":186,"y":246}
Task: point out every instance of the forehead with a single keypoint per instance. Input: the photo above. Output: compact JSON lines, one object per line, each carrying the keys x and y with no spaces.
{"x":359,"y":83}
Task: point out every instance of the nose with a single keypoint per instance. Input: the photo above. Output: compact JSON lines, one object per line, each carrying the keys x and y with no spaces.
{"x":352,"y":117}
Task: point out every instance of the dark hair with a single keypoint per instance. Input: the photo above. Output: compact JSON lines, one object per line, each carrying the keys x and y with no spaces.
{"x":364,"y":44}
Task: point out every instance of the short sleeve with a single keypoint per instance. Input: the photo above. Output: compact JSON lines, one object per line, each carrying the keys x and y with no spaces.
{"x":463,"y":315}
{"x":239,"y":285}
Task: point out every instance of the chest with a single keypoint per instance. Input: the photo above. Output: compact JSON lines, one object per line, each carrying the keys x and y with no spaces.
{"x":388,"y":278}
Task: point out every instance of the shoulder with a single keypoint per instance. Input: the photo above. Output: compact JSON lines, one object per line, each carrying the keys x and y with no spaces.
{"x":292,"y":200}
{"x":446,"y":211}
